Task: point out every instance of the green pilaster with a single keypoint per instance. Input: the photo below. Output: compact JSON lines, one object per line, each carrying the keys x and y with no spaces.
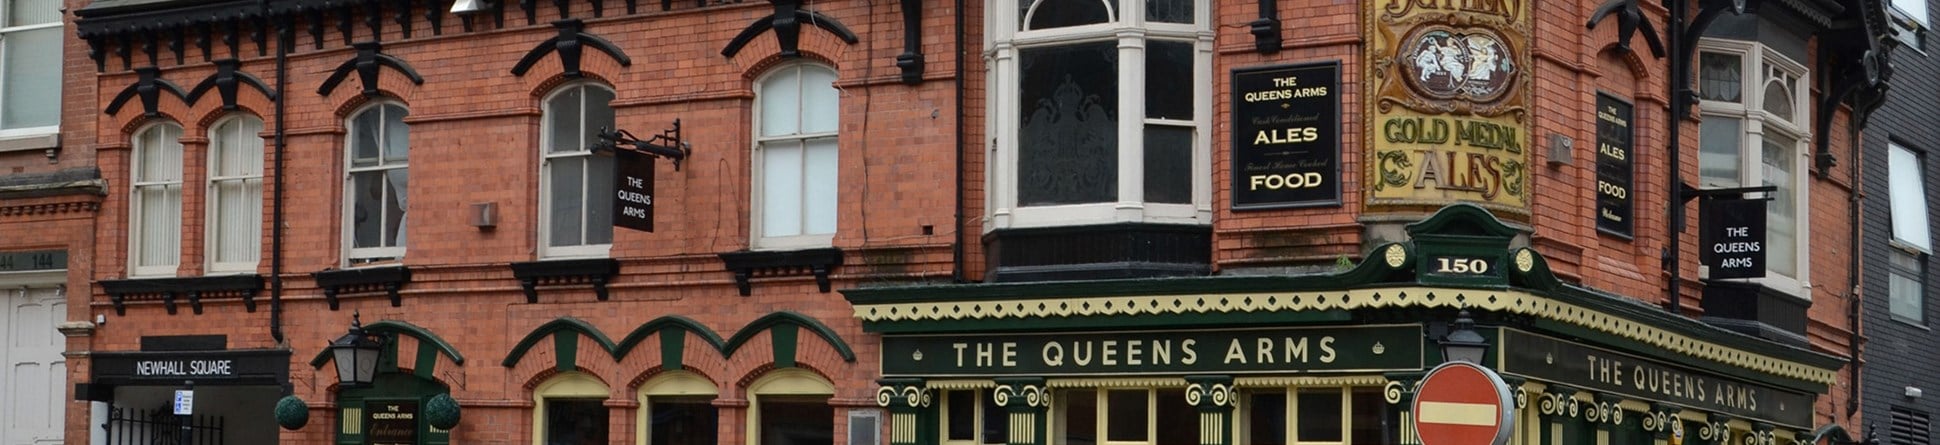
{"x":566,"y":349}
{"x":673,"y":348}
{"x":913,"y":412}
{"x":1214,"y":397}
{"x":1400,"y":395}
{"x":1559,"y":409}
{"x":1028,"y":403}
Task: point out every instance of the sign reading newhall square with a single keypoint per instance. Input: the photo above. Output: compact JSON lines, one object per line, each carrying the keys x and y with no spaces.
{"x":1316,"y":349}
{"x":1574,"y":364}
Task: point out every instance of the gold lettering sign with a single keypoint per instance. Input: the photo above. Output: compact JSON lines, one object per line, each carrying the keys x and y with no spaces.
{"x":1449,"y":102}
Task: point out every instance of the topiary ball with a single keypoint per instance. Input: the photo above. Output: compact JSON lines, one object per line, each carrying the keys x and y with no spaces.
{"x":292,"y":413}
{"x":442,"y":411}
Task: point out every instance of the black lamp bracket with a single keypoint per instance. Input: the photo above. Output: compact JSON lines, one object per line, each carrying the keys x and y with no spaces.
{"x":667,"y":144}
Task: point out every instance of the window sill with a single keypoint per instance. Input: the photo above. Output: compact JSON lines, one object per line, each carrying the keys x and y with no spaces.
{"x":30,"y":142}
{"x":594,"y":271}
{"x":1908,"y":322}
{"x":747,"y":265}
{"x":387,"y":278}
{"x":167,"y":290}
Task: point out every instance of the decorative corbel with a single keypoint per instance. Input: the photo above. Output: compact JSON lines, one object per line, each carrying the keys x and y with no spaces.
{"x":1266,"y":29}
{"x":569,"y":43}
{"x":787,"y":23}
{"x":911,"y":60}
{"x":402,"y":15}
{"x":434,"y":13}
{"x":227,"y":76}
{"x":369,"y":57}
{"x":1860,"y":64}
{"x":374,"y":18}
{"x":149,"y":86}
{"x":316,"y":28}
{"x":1630,"y":18}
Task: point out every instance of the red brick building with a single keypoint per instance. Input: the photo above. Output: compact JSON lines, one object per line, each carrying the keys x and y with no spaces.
{"x":1307,"y":196}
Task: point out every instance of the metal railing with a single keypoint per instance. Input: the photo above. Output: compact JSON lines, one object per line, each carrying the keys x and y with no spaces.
{"x":130,"y":426}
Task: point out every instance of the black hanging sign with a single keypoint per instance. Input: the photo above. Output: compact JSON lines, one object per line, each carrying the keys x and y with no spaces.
{"x":391,"y":422}
{"x":633,"y":192}
{"x":1614,"y":165}
{"x":1286,"y":136}
{"x":1732,"y":235}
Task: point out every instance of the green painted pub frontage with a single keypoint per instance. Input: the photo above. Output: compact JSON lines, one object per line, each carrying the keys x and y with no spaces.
{"x":1326,"y":359}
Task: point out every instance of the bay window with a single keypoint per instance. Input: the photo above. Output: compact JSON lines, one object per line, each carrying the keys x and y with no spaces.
{"x":1755,"y":133}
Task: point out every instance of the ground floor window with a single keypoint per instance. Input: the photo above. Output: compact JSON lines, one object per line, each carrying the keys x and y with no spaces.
{"x":1124,"y":416}
{"x":677,"y":408}
{"x":791,"y":407}
{"x":1310,"y":415}
{"x":571,"y":410}
{"x":973,"y":417}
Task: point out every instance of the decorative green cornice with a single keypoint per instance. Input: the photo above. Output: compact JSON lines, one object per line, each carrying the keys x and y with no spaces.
{"x":562,"y":324}
{"x":641,"y":333}
{"x":1462,"y":219}
{"x":790,"y":318}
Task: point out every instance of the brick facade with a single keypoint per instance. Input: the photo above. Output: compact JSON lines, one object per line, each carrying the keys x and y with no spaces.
{"x":475,"y":129}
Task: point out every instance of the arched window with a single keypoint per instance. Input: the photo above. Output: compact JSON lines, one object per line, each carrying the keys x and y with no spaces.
{"x":569,"y":408}
{"x":795,"y":166}
{"x":790,"y":407}
{"x":155,"y":214}
{"x":575,"y":187}
{"x":235,"y":200}
{"x":677,"y":408}
{"x":375,"y":198}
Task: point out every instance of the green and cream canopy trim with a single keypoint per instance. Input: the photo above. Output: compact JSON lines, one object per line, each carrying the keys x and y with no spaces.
{"x":1394,"y":276}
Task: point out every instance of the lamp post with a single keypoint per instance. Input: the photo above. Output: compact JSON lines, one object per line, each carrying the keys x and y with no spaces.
{"x":356,"y":354}
{"x":1463,"y":343}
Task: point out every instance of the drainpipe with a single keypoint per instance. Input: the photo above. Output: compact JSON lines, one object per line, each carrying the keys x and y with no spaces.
{"x":957,"y":249}
{"x":1679,"y":85}
{"x":1853,"y":309}
{"x":276,"y":199}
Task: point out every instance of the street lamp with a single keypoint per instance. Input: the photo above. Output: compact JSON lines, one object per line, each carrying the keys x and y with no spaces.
{"x":1463,"y":343}
{"x":356,"y":353}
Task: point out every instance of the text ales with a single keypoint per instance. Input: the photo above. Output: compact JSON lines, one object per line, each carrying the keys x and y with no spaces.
{"x":1615,"y":165}
{"x":1286,"y":136}
{"x":1448,"y":105}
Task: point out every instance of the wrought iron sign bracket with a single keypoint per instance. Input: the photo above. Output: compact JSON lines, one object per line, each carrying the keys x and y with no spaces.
{"x":667,"y":144}
{"x":1686,"y":193}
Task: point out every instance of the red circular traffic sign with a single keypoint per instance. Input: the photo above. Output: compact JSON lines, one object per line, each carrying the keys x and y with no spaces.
{"x":1460,"y":403}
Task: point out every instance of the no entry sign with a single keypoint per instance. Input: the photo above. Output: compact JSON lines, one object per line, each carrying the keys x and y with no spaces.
{"x":1460,"y":403}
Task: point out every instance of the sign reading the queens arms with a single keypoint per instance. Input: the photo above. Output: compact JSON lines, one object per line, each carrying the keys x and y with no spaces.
{"x":1449,"y":104}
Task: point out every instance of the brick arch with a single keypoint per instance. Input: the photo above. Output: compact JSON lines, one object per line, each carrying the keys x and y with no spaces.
{"x":348,"y":105}
{"x":210,"y":117}
{"x":140,"y":122}
{"x":546,"y":86}
{"x":757,"y":67}
{"x":1638,"y":69}
{"x":655,"y":371}
{"x":741,"y":384}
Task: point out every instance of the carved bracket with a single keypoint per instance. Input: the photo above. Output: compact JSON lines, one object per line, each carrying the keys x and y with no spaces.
{"x":369,"y":57}
{"x":594,"y":271}
{"x":569,"y":43}
{"x":227,"y":76}
{"x":167,"y":290}
{"x":388,"y":279}
{"x":787,"y":23}
{"x":817,"y":262}
{"x":149,"y":86}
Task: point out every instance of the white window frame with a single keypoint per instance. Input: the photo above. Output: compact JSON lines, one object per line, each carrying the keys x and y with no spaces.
{"x":136,"y":184}
{"x":1912,"y":9}
{"x":1003,"y":42}
{"x":1912,"y":227}
{"x":1756,"y":122}
{"x":370,"y":256}
{"x":215,"y":225}
{"x":546,"y":157}
{"x":757,"y":210}
{"x":665,"y":385}
{"x":5,"y":9}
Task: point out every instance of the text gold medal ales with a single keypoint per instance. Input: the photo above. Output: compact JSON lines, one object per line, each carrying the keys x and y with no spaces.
{"x":1448,"y":105}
